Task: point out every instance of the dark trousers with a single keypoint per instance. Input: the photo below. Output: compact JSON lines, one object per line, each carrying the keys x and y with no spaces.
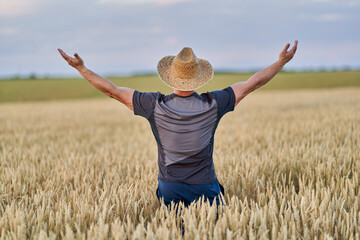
{"x":187,"y":193}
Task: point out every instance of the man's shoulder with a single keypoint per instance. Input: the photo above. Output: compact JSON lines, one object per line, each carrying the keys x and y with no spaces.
{"x":147,"y":95}
{"x":144,"y":102}
{"x":227,"y":90}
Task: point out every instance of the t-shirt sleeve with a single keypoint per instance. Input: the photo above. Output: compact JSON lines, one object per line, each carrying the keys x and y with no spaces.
{"x":225,"y":100}
{"x":144,"y":103}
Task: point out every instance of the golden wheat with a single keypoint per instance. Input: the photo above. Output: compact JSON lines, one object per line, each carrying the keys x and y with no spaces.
{"x":289,"y":162}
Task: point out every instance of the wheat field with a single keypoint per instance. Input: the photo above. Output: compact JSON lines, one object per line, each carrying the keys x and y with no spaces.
{"x":87,"y":169}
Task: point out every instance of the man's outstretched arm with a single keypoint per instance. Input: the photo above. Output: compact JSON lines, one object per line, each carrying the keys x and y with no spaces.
{"x":122,"y":94}
{"x":241,"y":89}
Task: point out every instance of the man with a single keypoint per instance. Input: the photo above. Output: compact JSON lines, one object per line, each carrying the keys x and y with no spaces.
{"x":184,"y":122}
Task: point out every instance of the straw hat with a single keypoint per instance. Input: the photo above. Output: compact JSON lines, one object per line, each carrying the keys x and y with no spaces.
{"x":185,"y":71}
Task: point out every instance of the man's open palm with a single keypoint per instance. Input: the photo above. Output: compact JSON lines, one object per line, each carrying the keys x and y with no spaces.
{"x":75,"y":62}
{"x":285,"y":55}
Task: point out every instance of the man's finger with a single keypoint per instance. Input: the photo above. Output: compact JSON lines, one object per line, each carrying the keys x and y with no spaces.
{"x":293,"y":49}
{"x":286,"y":48}
{"x":63,"y":54}
{"x":77,"y":57}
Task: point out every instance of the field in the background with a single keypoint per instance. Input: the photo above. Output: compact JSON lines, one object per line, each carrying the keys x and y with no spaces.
{"x":45,"y":89}
{"x":289,"y":162}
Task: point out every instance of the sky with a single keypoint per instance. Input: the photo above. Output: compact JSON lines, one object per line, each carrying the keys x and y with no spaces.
{"x":117,"y":37}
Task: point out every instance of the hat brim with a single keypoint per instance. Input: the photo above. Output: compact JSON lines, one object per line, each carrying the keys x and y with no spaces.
{"x":204,"y":75}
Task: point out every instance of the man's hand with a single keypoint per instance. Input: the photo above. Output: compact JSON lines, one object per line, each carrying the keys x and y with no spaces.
{"x":76,"y":62}
{"x":122,"y":94}
{"x":241,"y":89}
{"x":285,"y":55}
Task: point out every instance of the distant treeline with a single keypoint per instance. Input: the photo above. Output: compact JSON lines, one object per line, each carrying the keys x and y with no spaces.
{"x":33,"y":76}
{"x":70,"y":88}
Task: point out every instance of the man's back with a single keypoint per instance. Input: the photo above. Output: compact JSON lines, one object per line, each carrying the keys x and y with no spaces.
{"x":184,"y":128}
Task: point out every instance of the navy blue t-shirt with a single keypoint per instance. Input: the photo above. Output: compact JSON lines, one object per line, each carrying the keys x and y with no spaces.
{"x":184,"y":129}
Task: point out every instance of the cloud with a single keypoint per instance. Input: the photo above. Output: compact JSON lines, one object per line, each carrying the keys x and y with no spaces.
{"x":353,"y":3}
{"x":8,"y":31}
{"x":132,"y":35}
{"x":330,"y":17}
{"x":10,"y":8}
{"x":171,"y":41}
{"x":342,"y":3}
{"x":169,"y":2}
{"x":124,"y":1}
{"x":323,"y":1}
{"x":324,"y":17}
{"x":138,"y":2}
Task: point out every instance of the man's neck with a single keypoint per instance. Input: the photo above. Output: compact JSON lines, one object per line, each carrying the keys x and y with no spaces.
{"x":183,"y":93}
